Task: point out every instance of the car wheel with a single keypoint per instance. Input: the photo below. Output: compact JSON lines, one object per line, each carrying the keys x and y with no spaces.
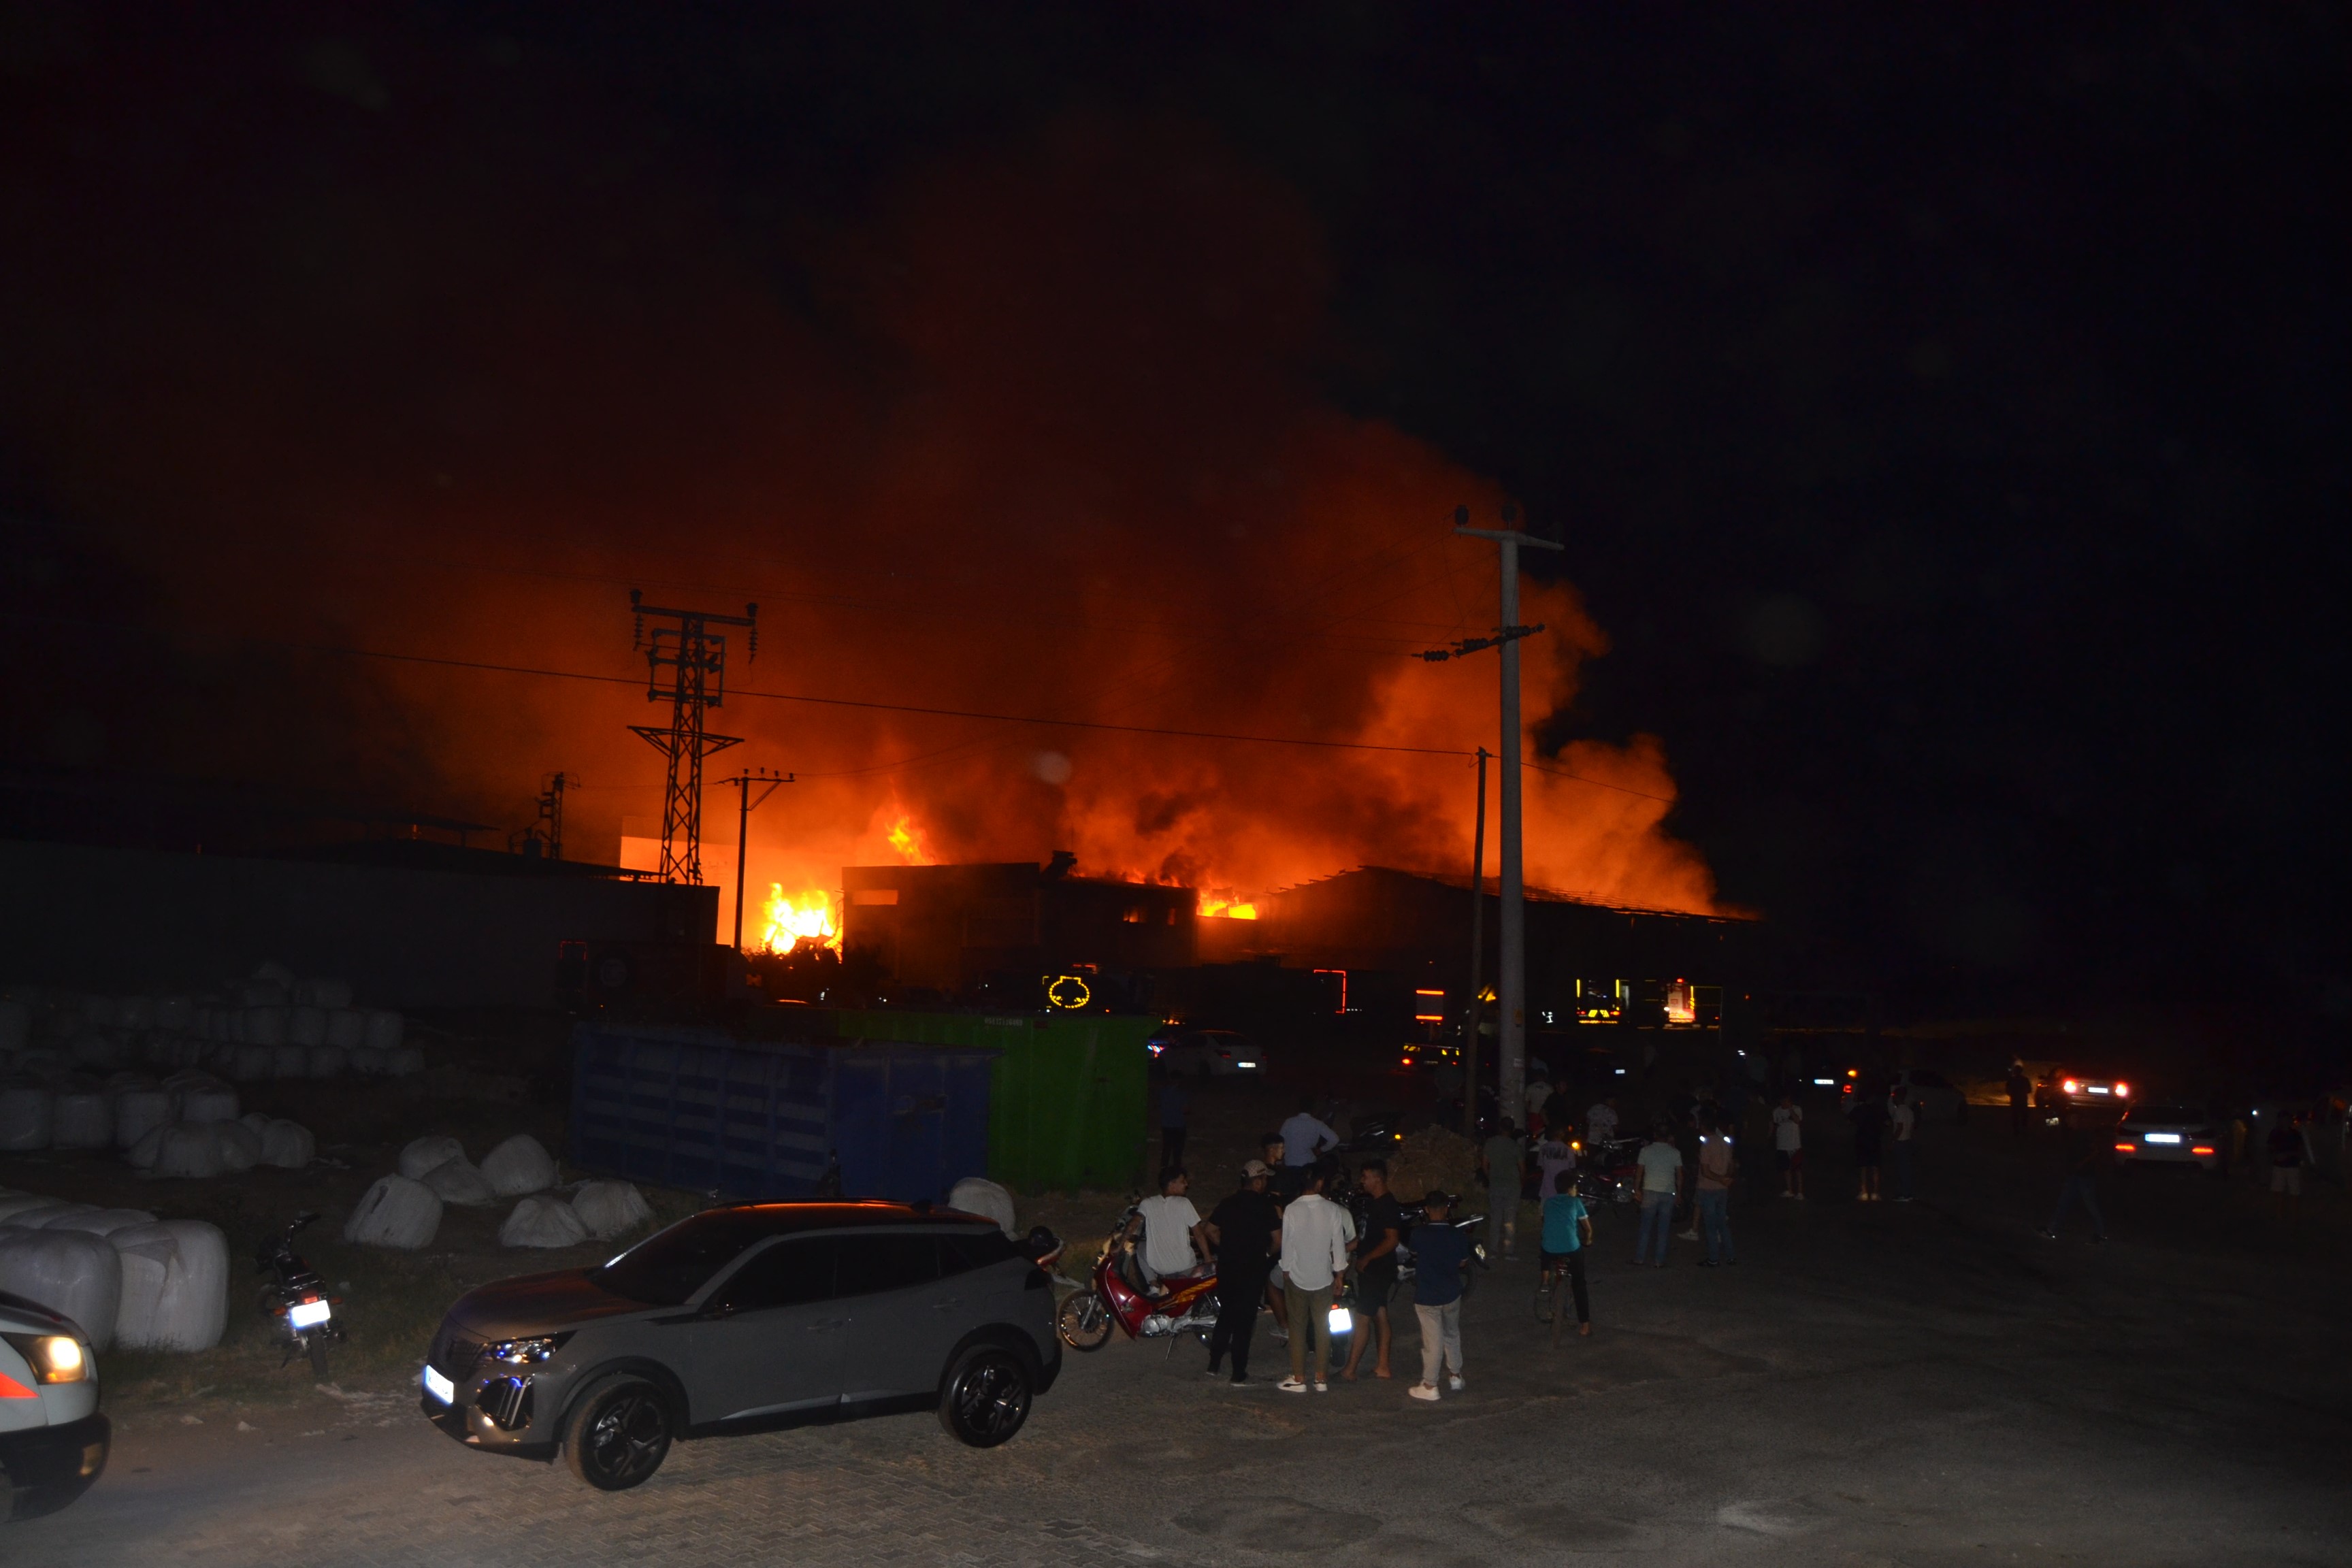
{"x":619,"y":1435}
{"x":986,"y":1396}
{"x":1084,"y":1322}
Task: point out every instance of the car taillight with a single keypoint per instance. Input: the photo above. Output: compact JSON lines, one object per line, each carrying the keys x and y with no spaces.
{"x":2071,"y":1086}
{"x":2202,"y":1150}
{"x":2127,"y":1149}
{"x":2123,"y":1091}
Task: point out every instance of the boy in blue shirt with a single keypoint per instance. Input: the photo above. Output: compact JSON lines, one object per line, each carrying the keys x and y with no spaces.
{"x":1567,"y":1231}
{"x":1439,"y":1253}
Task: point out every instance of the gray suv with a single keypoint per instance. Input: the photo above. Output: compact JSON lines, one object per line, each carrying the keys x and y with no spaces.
{"x":746,"y":1318}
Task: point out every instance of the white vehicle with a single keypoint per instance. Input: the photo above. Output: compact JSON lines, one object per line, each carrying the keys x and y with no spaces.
{"x":53,"y":1441}
{"x":1209,"y":1053}
{"x":1936,"y":1096}
{"x":2170,"y":1135}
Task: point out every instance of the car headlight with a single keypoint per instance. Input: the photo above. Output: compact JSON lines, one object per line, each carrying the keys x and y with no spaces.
{"x":527,"y":1353}
{"x":54,"y":1358}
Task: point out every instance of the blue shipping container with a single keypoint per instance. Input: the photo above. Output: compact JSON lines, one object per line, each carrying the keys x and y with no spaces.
{"x":701,"y":1110}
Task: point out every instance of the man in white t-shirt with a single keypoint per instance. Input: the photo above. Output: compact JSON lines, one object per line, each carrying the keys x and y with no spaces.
{"x":1902,"y":1121}
{"x":1172,"y":1229}
{"x":1789,"y":1145}
{"x":1662,"y":1184}
{"x":1601,"y":1122}
{"x":1316,"y":1234}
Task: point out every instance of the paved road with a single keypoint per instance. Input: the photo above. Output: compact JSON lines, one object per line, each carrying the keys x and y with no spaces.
{"x":1919,"y":1384}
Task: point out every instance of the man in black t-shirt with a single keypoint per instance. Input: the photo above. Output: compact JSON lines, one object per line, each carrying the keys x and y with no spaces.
{"x":1243,"y":1229}
{"x":1376,"y":1266}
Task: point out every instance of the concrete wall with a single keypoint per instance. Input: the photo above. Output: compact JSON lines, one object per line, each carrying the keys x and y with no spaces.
{"x":126,"y":921}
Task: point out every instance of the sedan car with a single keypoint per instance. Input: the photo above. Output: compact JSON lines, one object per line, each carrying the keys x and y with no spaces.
{"x":53,"y":1441}
{"x":2171,"y":1135}
{"x":749,"y":1318}
{"x":1208,"y":1053}
{"x":2074,"y":1087}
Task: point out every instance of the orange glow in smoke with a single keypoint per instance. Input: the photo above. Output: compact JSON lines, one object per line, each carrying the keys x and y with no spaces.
{"x":908,"y":840}
{"x":788,"y":918}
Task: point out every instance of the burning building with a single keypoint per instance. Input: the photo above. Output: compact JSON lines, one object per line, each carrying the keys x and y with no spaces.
{"x":1014,"y":930}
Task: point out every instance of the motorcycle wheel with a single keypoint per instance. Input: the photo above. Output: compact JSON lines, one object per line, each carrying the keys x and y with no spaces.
{"x":1084,"y":1322}
{"x":319,"y":1357}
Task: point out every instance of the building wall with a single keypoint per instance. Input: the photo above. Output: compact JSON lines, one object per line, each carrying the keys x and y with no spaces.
{"x":138,"y":920}
{"x":947,"y":927}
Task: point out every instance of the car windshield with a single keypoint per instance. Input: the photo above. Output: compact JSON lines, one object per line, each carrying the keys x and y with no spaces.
{"x":666,"y":1269}
{"x":2187,"y":1114}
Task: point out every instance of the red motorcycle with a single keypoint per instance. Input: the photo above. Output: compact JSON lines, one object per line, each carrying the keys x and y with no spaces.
{"x":1118,"y":1294}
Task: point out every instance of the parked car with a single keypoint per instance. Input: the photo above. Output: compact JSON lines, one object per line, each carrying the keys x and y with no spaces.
{"x":1936,"y":1096}
{"x":1207,"y":1053}
{"x":749,"y":1318}
{"x":53,"y":1441}
{"x":2173,"y":1134}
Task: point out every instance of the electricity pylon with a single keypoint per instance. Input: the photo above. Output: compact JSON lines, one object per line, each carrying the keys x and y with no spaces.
{"x":687,"y":666}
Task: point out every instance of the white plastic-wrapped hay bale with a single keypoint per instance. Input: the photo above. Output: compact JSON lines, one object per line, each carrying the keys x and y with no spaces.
{"x":147,"y":1267}
{"x":82,"y":1119}
{"x":211,"y":1101}
{"x":367,"y":1061}
{"x":27,"y":1114}
{"x":329,"y":1061}
{"x":97,"y":1048}
{"x":141,"y":1155}
{"x":461,"y":1181}
{"x":192,"y":1310}
{"x":395,"y":1212}
{"x":270,"y":971}
{"x":240,"y":1146}
{"x":290,"y":1061}
{"x":543,"y":1220}
{"x":347,"y":1028}
{"x":266,"y":1026}
{"x":14,"y":1204}
{"x":177,"y":1014}
{"x":978,"y":1195}
{"x":16,"y":1025}
{"x":100,"y":1222}
{"x":251,"y":1064}
{"x":406,"y":1062}
{"x":190,"y":1150}
{"x":38,"y":1216}
{"x":288,"y":1145}
{"x":323,"y":993}
{"x":138,"y":1111}
{"x":520,"y":1164}
{"x":135,"y":1013}
{"x":423,"y":1153}
{"x":307,"y":1027}
{"x":102,"y":1012}
{"x":75,"y":1275}
{"x":611,"y":1208}
{"x":386,"y":1029}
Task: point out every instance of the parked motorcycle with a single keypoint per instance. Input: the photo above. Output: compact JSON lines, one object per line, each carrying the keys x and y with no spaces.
{"x":1117,"y":1294}
{"x":296,"y":1301}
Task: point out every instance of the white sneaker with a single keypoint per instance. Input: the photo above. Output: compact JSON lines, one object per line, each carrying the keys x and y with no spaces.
{"x":1322,"y":1388}
{"x":1424,"y":1391}
{"x":1291,"y":1385}
{"x":1455,"y":1383}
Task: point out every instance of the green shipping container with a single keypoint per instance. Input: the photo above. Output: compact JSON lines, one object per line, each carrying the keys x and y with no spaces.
{"x":1067,"y":1097}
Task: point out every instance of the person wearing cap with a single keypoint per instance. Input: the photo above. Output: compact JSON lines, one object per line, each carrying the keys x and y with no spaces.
{"x":1245,"y":1228}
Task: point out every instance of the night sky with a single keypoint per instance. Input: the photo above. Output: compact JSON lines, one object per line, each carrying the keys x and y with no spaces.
{"x":1943,"y":407}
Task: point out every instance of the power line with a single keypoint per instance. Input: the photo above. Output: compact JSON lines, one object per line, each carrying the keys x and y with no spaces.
{"x":441,"y":662}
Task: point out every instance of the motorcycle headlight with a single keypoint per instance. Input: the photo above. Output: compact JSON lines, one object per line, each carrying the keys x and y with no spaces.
{"x":54,"y":1358}
{"x":527,"y":1353}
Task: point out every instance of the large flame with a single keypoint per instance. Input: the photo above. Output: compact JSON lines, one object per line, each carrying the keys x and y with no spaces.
{"x":792,"y":918}
{"x":1227,"y":908}
{"x":906,"y":839}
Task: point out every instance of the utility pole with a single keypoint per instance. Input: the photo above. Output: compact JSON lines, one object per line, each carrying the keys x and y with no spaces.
{"x":744,"y":806}
{"x":1477,"y":956}
{"x":1511,"y":1037}
{"x":551,"y":817}
{"x":695,"y":661}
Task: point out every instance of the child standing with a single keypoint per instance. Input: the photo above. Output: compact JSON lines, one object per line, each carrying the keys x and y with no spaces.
{"x":1789,"y":1146}
{"x":1439,"y":1254}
